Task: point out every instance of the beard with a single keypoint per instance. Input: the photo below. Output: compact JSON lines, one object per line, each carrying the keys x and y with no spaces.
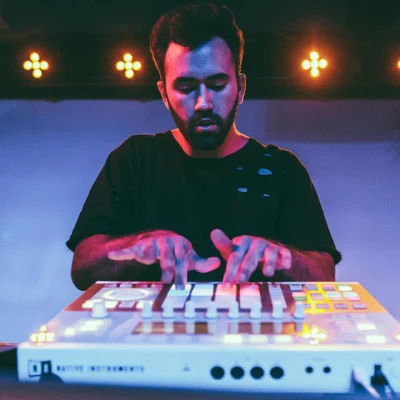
{"x":206,"y":140}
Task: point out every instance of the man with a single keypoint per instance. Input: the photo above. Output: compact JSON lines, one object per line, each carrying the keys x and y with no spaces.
{"x":202,"y":202}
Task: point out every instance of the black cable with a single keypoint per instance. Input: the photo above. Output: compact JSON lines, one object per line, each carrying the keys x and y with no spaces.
{"x":380,"y":383}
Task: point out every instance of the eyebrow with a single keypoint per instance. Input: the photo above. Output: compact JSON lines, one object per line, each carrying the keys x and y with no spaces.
{"x":190,"y":79}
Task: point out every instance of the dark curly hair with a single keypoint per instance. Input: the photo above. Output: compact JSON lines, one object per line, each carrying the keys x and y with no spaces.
{"x":193,"y":25}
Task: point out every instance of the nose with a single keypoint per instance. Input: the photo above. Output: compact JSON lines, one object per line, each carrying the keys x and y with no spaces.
{"x":204,"y":99}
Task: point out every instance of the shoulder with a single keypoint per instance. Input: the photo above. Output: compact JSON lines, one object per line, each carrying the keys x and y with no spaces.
{"x":139,"y":144}
{"x":286,"y":156}
{"x":290,"y":158}
{"x":138,"y":141}
{"x":286,"y":160}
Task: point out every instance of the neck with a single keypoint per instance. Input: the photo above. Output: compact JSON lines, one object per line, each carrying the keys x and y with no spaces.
{"x":233,"y":142}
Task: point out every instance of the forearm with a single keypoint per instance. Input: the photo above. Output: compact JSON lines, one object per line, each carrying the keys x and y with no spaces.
{"x":309,"y":266}
{"x":91,"y":262}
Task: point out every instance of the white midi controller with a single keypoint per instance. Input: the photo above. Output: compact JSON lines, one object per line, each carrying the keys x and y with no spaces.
{"x":260,"y":337}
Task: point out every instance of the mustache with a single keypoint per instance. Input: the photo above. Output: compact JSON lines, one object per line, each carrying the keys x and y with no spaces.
{"x":210,"y":118}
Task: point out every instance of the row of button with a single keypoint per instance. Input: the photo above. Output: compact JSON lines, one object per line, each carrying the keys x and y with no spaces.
{"x":99,"y":309}
{"x":238,"y":372}
{"x":259,"y":339}
{"x":199,"y":286}
{"x":333,"y":296}
{"x":328,"y":287}
{"x":255,"y":311}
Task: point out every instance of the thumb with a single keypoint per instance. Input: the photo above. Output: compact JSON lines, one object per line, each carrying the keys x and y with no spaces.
{"x":222,"y":243}
{"x":204,"y":265}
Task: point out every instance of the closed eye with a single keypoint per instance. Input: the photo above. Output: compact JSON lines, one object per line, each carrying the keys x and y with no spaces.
{"x":188,"y":89}
{"x":218,"y":88}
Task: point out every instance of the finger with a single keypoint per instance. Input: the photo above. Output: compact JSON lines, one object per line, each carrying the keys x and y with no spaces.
{"x":182,"y":263}
{"x":222,"y":242}
{"x":284,"y":259}
{"x":270,"y":256}
{"x":251,"y":260}
{"x":167,"y":258}
{"x":143,"y":251}
{"x":146,"y":251}
{"x":123,"y":254}
{"x":236,"y":258}
{"x":201,"y":264}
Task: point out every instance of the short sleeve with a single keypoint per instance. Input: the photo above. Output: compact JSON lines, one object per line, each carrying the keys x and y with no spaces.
{"x":109,"y":204}
{"x":301,"y":221}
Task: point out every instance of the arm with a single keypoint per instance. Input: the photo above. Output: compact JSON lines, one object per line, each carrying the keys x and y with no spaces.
{"x":107,"y":222}
{"x":244,"y":254}
{"x":91,"y":262}
{"x":102,"y":257}
{"x":308,"y":266}
{"x":302,"y":226}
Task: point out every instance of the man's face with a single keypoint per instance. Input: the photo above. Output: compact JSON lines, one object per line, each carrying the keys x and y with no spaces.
{"x":201,"y":92}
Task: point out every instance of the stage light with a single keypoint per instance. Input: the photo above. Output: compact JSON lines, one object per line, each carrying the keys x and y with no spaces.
{"x":120,"y":65}
{"x":128,"y":65}
{"x":314,"y":64}
{"x":314,"y":72}
{"x":306,"y":64}
{"x":127,"y":57}
{"x":137,"y":65}
{"x":35,"y":65}
{"x":323,"y":63}
{"x":28,"y":65}
{"x":44,"y":65}
{"x":37,"y":73}
{"x":34,"y":57}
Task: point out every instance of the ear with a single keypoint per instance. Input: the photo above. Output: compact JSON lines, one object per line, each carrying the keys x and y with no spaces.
{"x":163,"y":92}
{"x":241,"y":87}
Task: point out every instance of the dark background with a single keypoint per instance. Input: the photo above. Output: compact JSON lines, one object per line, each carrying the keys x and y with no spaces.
{"x":83,"y":39}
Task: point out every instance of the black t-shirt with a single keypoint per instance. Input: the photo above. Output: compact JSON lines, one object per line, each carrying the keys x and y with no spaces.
{"x":149,"y":183}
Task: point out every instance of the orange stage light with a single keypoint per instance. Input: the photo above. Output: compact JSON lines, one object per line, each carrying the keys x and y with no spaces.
{"x":314,"y":64}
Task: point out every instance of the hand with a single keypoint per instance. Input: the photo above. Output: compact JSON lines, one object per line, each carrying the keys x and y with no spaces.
{"x":175,"y":253}
{"x":245,"y":253}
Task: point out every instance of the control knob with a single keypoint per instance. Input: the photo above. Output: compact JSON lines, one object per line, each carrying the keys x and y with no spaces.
{"x":99,"y":309}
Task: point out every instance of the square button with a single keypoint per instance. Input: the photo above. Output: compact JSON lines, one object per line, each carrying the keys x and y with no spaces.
{"x":281,"y":339}
{"x":87,"y":304}
{"x":340,"y":317}
{"x":329,"y":288}
{"x":333,"y":295}
{"x":359,"y":306}
{"x":298,"y":296}
{"x":353,"y":340}
{"x":317,"y":296}
{"x":349,"y":294}
{"x":341,"y":306}
{"x":125,"y":285}
{"x":359,"y":316}
{"x":311,"y":286}
{"x":375,"y":339}
{"x":257,"y":339}
{"x":344,"y":288}
{"x":366,"y":326}
{"x":111,"y":303}
{"x":353,"y":298}
{"x":322,"y":305}
{"x":203,"y":290}
{"x":127,"y":304}
{"x":296,"y":287}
